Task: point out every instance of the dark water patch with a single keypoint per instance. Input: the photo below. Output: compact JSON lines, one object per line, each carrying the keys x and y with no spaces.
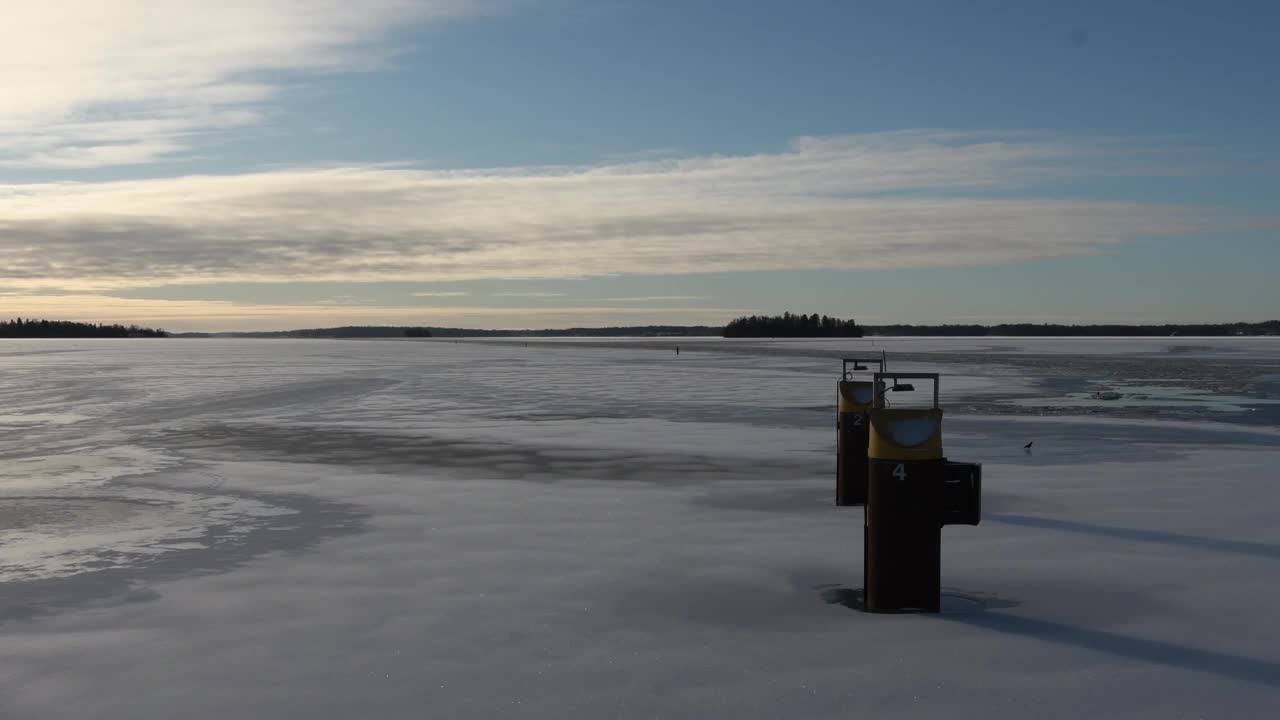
{"x":470,"y":458}
{"x":807,"y":416}
{"x":554,"y":416}
{"x":19,"y":512}
{"x":994,"y":440}
{"x":307,"y":393}
{"x":1256,"y":415}
{"x":1192,"y":349}
{"x":116,"y":577}
{"x":1053,"y":375}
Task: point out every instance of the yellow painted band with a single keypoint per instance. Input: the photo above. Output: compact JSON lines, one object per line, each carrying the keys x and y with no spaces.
{"x":905,"y":434}
{"x":855,"y":396}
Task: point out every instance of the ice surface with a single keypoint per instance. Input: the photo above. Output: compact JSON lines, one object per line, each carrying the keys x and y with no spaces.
{"x":327,"y":529}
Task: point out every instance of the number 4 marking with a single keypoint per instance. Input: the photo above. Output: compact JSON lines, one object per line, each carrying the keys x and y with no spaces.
{"x":900,"y":471}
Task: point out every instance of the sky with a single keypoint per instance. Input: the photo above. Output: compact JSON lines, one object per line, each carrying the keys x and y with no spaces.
{"x":272,"y":164}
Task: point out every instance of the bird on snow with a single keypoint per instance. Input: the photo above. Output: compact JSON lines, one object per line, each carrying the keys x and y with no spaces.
{"x":1028,"y":445}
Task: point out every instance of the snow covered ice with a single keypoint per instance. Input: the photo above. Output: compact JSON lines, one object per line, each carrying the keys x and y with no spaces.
{"x":337,"y":529}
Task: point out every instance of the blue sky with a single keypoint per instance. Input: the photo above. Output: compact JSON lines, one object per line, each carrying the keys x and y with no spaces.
{"x":529,"y":163}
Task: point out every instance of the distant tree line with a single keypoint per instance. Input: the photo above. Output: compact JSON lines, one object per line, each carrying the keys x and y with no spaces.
{"x":355,"y":331}
{"x":1270,"y":327}
{"x":622,"y":331}
{"x":351,"y":331}
{"x":788,"y":325}
{"x":398,"y":331}
{"x":20,"y":328}
{"x":785,"y":325}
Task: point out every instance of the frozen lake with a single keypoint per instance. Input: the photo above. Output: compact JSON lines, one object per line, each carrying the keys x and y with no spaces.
{"x":554,"y":529}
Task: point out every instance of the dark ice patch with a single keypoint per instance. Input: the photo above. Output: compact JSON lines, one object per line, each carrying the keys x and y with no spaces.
{"x":125,"y":577}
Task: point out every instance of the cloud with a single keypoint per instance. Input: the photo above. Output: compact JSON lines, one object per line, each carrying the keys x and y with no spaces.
{"x":344,"y":300}
{"x":912,"y":199}
{"x":529,"y":294}
{"x":89,"y":83}
{"x":183,"y":315}
{"x":653,"y":298}
{"x":446,"y":293}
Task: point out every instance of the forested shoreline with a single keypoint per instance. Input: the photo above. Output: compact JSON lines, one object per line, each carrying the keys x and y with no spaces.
{"x":789,"y":325}
{"x":20,"y":328}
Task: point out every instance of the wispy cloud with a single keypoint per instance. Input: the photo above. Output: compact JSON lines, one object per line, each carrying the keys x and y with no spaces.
{"x":444,"y":293}
{"x":653,"y":298}
{"x":90,"y":83}
{"x":226,"y":315}
{"x":344,"y":300}
{"x":884,"y":200}
{"x":529,"y":294}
